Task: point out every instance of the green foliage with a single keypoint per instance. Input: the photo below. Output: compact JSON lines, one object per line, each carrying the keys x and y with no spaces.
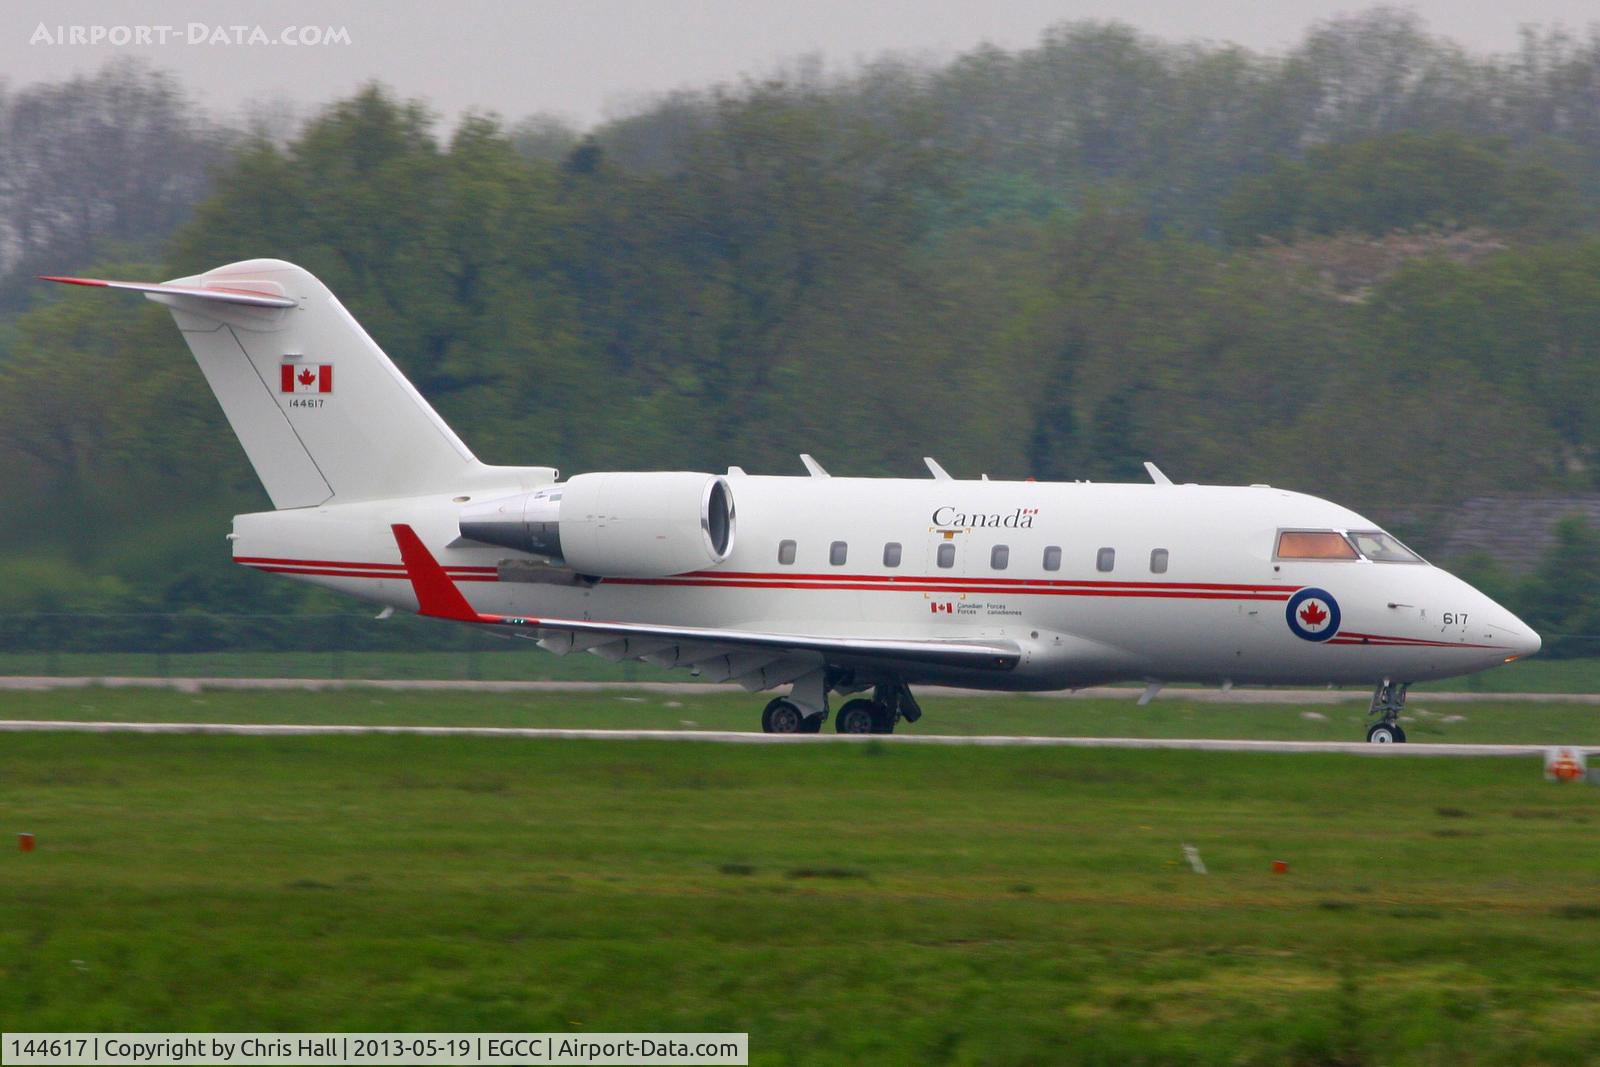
{"x":1009,"y":262}
{"x":1400,"y":181}
{"x":1562,"y":597}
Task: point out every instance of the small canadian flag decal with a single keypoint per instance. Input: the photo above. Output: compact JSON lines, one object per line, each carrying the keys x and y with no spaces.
{"x":307,"y":378}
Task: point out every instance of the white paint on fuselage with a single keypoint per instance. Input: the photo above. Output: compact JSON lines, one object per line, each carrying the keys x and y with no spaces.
{"x":1128,"y":623}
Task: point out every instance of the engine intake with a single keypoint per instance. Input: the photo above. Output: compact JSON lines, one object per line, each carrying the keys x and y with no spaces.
{"x":615,"y":525}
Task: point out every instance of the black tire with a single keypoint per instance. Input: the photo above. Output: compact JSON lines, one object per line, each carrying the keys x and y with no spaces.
{"x":1399,"y":734}
{"x":1381,"y":733}
{"x":882,"y":719}
{"x":782,"y":717}
{"x":812,"y":724}
{"x":857,"y":717}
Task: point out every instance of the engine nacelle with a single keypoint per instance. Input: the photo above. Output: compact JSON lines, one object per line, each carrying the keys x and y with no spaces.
{"x":647,"y":524}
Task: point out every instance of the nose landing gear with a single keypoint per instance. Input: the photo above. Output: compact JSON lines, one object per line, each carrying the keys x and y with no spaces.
{"x":1387,"y":700}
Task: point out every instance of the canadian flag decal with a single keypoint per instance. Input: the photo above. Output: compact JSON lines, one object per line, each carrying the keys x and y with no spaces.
{"x":307,"y":378}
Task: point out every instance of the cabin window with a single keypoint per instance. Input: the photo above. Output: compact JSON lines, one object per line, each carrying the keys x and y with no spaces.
{"x":786,"y":553}
{"x":837,"y":553}
{"x":1158,"y":561}
{"x":1000,"y":557}
{"x":1105,"y":560}
{"x":891,"y":554}
{"x":1052,"y":558}
{"x":1382,"y":548}
{"x":946,"y":556}
{"x":1314,"y":544}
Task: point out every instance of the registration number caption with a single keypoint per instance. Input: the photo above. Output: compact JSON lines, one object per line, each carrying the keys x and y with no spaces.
{"x":297,"y":403}
{"x":1455,"y":618}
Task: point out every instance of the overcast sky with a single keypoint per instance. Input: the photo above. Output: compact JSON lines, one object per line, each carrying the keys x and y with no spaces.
{"x":587,"y":59}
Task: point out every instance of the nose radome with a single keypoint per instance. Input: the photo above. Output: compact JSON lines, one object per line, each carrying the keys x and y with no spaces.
{"x":1521,"y":637}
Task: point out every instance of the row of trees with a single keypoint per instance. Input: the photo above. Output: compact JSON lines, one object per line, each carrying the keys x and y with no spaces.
{"x":1053,"y":263}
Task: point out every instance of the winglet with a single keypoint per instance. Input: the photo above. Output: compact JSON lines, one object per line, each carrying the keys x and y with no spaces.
{"x":938,"y":472}
{"x":1155,"y":474}
{"x":437,"y":595}
{"x":813,"y":466}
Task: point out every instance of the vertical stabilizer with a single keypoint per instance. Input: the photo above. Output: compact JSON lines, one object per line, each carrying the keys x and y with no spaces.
{"x":322,"y":413}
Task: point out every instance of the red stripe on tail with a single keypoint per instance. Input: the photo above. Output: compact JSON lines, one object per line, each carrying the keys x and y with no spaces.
{"x":437,"y":595}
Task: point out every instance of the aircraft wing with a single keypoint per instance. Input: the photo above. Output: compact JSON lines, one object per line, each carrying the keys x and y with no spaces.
{"x":754,"y":659}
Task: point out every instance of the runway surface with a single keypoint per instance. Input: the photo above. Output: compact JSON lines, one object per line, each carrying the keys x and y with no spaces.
{"x":1198,"y":696}
{"x":1356,"y":748}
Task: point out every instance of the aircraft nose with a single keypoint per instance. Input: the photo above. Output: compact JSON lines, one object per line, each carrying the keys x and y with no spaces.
{"x":1518,"y":635}
{"x":1527,"y":643}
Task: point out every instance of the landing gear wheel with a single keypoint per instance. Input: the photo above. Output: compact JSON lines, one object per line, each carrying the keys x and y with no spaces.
{"x":782,"y":717}
{"x":812,"y":724}
{"x":1388,"y":700}
{"x":858,"y":717}
{"x":1383,"y":733}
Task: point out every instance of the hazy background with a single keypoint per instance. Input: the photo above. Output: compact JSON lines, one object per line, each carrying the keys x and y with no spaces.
{"x":586,"y":60}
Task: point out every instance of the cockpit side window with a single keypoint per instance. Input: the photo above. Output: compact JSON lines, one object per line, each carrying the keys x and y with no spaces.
{"x":1314,"y":544}
{"x":1382,"y":548}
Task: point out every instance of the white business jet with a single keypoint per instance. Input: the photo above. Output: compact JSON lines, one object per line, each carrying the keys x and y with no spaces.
{"x":862,"y":587}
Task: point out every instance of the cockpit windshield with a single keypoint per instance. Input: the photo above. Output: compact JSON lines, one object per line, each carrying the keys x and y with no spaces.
{"x":1382,"y":548}
{"x":1374,"y":545}
{"x":1314,"y":544}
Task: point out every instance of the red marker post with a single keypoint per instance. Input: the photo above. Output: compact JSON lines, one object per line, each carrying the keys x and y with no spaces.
{"x":25,"y":842}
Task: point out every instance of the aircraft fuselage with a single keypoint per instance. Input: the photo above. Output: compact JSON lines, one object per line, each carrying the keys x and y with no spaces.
{"x":1068,"y":571}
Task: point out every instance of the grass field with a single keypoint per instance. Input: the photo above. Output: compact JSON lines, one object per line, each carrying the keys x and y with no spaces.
{"x":844,"y":905}
{"x":1169,"y":716}
{"x":525,"y":663}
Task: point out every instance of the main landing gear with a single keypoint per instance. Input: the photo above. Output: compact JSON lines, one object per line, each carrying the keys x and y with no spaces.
{"x":889,"y":704}
{"x":1387,"y":700}
{"x":783,"y":716}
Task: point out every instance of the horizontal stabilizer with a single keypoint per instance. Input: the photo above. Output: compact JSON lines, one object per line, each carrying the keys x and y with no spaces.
{"x":269,"y":295}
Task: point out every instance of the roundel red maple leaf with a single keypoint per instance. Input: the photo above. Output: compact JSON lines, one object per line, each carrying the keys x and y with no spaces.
{"x":1313,"y":615}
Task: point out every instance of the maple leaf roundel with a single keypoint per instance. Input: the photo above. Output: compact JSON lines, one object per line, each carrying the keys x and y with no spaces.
{"x":1313,"y":614}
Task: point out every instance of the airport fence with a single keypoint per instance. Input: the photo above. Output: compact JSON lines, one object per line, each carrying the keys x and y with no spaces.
{"x":342,"y":645}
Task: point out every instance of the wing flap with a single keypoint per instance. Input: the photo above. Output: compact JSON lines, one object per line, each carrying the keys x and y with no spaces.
{"x":982,"y":654}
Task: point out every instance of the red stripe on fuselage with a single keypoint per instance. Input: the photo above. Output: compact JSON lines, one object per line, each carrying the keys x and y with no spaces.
{"x":897,"y":579}
{"x":252,"y":561}
{"x":397,"y":575}
{"x":937,"y":585}
{"x":1349,"y":638}
{"x":825,"y":582}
